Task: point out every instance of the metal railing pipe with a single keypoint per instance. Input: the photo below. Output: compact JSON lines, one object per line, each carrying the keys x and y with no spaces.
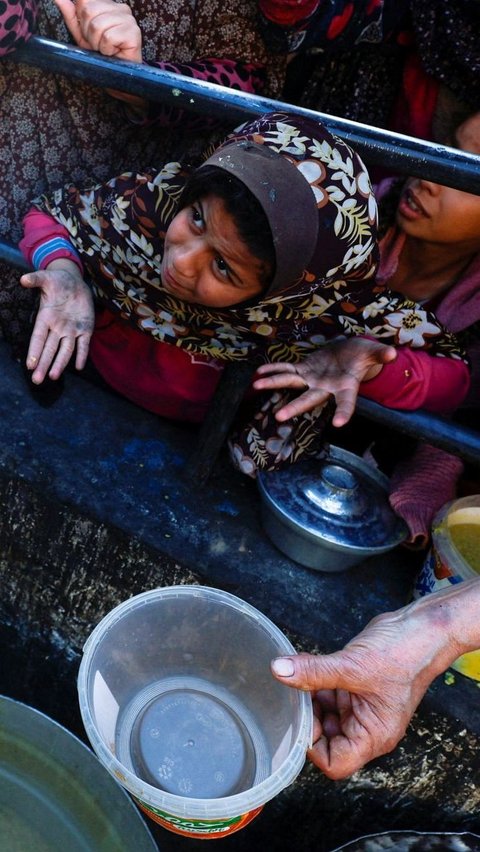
{"x":402,"y":154}
{"x":424,"y":426}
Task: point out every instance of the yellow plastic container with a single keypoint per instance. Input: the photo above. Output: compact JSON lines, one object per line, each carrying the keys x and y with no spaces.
{"x":453,"y":557}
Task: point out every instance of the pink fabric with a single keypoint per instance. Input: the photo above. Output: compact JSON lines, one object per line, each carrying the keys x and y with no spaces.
{"x":157,"y":376}
{"x":416,"y":380}
{"x":420,"y":486}
{"x":38,"y":229}
{"x":18,"y":20}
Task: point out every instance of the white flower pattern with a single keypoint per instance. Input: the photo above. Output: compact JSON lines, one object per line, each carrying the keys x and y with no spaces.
{"x":413,"y":327}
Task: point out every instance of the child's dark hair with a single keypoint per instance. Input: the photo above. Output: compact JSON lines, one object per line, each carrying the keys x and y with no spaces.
{"x":247,"y":213}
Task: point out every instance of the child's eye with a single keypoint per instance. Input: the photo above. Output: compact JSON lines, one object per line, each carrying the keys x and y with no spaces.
{"x":197,"y":216}
{"x":222,"y":267}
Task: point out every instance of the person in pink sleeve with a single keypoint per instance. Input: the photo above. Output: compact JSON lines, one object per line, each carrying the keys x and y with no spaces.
{"x":430,"y":253}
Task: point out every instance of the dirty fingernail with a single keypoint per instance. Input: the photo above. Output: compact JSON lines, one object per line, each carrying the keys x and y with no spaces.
{"x":283,"y":667}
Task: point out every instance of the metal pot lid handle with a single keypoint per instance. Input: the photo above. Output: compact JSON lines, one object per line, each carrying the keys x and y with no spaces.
{"x":337,"y":491}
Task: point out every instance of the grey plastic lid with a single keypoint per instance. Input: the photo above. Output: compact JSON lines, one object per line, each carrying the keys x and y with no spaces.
{"x":340,"y":499}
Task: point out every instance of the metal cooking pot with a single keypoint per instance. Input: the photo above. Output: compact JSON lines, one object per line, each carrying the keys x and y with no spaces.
{"x":329,"y":513}
{"x":55,"y":794}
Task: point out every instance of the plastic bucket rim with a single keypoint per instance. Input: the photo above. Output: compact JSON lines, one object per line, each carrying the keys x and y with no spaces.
{"x":226,"y":807}
{"x":176,"y":591}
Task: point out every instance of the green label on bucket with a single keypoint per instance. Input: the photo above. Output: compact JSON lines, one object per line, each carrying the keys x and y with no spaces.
{"x":194,"y":827}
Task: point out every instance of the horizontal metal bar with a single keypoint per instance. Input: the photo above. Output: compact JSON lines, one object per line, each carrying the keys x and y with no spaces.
{"x":424,"y":426}
{"x":402,"y":154}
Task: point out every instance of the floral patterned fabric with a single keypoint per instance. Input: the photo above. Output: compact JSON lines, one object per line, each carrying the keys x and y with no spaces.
{"x":118,"y":229}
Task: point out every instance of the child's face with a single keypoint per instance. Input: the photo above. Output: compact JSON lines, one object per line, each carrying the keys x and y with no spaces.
{"x":440,"y":214}
{"x":205,"y":262}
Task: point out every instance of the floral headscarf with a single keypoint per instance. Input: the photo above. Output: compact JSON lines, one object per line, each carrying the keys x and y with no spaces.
{"x":119,"y":227}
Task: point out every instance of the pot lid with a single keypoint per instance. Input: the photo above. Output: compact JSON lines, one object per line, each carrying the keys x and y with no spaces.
{"x":338,"y":498}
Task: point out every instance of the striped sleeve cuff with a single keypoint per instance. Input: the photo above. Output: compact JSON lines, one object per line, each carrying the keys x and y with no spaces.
{"x":53,"y":249}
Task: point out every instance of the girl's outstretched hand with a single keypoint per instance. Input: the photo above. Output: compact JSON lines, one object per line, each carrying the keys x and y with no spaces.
{"x":337,"y":369}
{"x":64,"y":323}
{"x":105,"y":26}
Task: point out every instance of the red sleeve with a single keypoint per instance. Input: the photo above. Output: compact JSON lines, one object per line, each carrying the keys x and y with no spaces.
{"x":419,"y":380}
{"x":44,"y":240}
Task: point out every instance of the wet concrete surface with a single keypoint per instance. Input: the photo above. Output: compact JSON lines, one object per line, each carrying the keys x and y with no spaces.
{"x":96,"y":507}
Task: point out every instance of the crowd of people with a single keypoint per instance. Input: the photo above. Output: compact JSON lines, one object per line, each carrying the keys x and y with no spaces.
{"x":159,"y":276}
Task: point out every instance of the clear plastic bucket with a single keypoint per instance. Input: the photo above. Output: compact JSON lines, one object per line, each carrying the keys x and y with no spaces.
{"x":453,"y":557}
{"x":179,"y":704}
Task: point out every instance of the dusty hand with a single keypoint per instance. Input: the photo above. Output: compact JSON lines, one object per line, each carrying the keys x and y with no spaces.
{"x":64,"y":322}
{"x":104,"y":26}
{"x":337,"y":369}
{"x":365,"y":695}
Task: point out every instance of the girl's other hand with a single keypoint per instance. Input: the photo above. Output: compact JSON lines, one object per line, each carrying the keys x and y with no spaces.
{"x":65,"y":320}
{"x":104,"y":26}
{"x":337,"y":369}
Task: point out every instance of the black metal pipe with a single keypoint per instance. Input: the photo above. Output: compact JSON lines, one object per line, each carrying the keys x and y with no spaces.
{"x":402,"y":154}
{"x":439,"y":431}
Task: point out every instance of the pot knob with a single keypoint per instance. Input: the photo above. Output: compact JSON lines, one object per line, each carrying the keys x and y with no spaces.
{"x":337,"y":492}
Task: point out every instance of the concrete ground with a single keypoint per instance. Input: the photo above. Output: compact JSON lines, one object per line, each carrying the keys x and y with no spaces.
{"x":96,"y":507}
